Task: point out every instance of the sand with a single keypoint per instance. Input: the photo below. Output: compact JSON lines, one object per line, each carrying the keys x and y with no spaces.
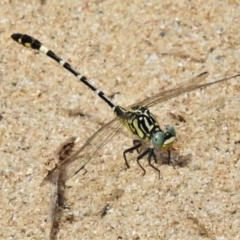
{"x":131,"y":50}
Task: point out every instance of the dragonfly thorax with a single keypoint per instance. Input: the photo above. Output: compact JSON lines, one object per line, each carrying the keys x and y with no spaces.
{"x":141,"y":122}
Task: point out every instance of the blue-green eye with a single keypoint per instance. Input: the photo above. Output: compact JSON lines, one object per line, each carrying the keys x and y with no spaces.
{"x":170,"y":130}
{"x":158,"y":139}
{"x":169,"y":137}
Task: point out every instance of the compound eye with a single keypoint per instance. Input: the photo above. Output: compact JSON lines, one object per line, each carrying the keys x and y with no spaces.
{"x":158,"y":139}
{"x":170,"y":130}
{"x":169,"y":137}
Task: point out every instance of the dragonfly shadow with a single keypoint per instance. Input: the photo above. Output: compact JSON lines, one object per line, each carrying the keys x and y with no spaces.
{"x":160,"y":157}
{"x":176,"y":159}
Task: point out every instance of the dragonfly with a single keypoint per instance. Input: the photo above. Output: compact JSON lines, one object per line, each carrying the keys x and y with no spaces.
{"x":137,"y":118}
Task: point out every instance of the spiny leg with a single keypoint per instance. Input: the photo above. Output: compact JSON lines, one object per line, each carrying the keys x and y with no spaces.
{"x":135,"y":142}
{"x":150,"y":152}
{"x":131,"y":149}
{"x":150,"y":155}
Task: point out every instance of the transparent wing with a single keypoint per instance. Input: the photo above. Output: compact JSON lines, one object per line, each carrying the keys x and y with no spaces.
{"x":174,"y":92}
{"x":188,"y":86}
{"x":80,"y":158}
{"x":85,"y":153}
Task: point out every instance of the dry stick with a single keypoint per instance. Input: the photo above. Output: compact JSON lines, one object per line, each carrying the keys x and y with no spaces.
{"x":62,"y":153}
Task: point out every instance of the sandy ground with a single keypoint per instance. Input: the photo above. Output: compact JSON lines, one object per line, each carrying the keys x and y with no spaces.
{"x":131,"y":50}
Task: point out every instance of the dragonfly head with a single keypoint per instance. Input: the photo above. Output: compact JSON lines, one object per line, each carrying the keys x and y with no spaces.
{"x":169,"y":137}
{"x":164,"y":139}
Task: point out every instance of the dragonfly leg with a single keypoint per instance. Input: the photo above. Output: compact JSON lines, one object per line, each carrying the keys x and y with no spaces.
{"x":169,"y":157}
{"x":150,"y":155}
{"x":136,"y":145}
{"x":136,"y":142}
{"x":140,"y":156}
